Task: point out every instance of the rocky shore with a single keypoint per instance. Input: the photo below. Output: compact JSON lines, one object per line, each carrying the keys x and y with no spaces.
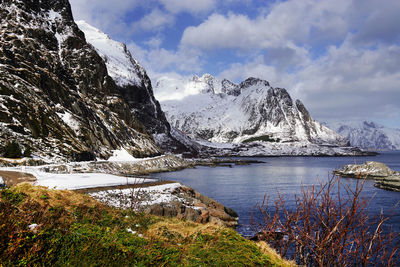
{"x":102,"y":179}
{"x":384,"y":177}
{"x":169,"y":199}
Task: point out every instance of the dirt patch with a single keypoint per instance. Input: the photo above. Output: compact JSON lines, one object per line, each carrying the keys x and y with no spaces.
{"x":12,"y":178}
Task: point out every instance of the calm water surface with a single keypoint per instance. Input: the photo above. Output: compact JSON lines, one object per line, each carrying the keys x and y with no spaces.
{"x":242,"y":187}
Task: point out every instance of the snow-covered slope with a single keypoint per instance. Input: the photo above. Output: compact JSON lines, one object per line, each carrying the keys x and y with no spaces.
{"x":368,"y":135}
{"x":224,"y":112}
{"x":135,"y":86}
{"x":121,"y":66}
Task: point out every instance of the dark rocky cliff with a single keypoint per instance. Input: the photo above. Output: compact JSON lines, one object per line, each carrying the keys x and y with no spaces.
{"x":55,"y":92}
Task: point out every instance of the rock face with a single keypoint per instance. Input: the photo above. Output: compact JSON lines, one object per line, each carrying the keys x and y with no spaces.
{"x":384,"y":177}
{"x":55,"y":92}
{"x":136,"y":89}
{"x":224,"y":112}
{"x":368,"y":135}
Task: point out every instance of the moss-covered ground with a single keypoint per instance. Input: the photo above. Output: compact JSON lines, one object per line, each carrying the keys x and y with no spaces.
{"x":42,"y":227}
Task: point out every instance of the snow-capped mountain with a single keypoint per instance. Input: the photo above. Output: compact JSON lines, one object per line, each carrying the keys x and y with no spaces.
{"x":368,"y":135}
{"x":130,"y":76}
{"x":135,"y":87}
{"x":225,"y":112}
{"x":56,"y":96}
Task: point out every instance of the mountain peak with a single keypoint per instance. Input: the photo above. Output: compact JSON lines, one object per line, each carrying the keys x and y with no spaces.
{"x":253,"y":109}
{"x":251,"y":81}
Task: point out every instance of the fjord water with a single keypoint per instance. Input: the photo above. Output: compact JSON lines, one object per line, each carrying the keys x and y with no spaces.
{"x":242,"y":187}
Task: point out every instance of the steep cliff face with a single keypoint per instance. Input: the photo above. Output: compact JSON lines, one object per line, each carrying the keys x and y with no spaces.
{"x":225,"y":112}
{"x":55,"y":92}
{"x":368,"y":135}
{"x":136,"y":89}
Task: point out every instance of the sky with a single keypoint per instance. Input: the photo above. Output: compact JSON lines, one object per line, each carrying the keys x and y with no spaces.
{"x":340,"y":57}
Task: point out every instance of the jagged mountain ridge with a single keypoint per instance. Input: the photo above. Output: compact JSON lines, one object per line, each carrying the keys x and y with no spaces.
{"x":136,"y":88}
{"x":55,"y":93}
{"x":222,"y":111}
{"x":368,"y":134}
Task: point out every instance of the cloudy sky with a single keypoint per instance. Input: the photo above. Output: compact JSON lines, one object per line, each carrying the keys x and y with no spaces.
{"x":340,"y":57}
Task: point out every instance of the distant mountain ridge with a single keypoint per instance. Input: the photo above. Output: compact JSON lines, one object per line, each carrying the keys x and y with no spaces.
{"x":222,"y":111}
{"x":251,"y":118}
{"x":368,"y":135}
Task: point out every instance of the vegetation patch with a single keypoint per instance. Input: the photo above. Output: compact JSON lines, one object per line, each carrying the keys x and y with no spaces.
{"x":12,"y":150}
{"x":262,"y":138}
{"x":46,"y":227}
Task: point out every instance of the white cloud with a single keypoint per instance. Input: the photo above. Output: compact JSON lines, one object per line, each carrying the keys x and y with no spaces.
{"x":103,"y":14}
{"x":155,"y":20}
{"x":159,"y":60}
{"x":287,"y":22}
{"x":154,"y":42}
{"x":231,"y":31}
{"x":190,"y":6}
{"x":352,"y":83}
{"x":257,"y":68}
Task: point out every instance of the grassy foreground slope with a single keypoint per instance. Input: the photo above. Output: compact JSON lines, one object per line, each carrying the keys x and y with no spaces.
{"x":39,"y":226}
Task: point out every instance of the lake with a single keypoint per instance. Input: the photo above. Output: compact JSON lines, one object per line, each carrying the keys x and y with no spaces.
{"x":242,"y":187}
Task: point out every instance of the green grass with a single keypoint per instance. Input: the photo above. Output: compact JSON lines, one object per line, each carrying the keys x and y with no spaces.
{"x":75,"y":230}
{"x":262,"y":138}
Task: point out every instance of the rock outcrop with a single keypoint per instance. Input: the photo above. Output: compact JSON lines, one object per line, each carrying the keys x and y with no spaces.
{"x":56,"y":96}
{"x":169,"y":199}
{"x":384,"y":177}
{"x":195,"y":207}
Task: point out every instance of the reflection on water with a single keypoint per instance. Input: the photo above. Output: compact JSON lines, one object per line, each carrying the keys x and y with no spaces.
{"x":242,"y":187}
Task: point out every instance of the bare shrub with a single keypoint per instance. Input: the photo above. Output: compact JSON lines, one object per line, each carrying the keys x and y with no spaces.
{"x":328,"y":226}
{"x":132,"y":198}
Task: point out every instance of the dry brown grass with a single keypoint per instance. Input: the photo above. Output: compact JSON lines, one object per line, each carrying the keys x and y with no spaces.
{"x":55,"y":198}
{"x":181,"y":229}
{"x":265,"y":248}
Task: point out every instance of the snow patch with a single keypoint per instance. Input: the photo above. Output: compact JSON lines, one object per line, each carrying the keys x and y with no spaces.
{"x":69,"y":120}
{"x":145,"y":196}
{"x":122,"y":155}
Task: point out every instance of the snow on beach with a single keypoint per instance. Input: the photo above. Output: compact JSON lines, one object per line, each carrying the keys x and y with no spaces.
{"x":122,"y":198}
{"x":75,"y":181}
{"x":92,"y":174}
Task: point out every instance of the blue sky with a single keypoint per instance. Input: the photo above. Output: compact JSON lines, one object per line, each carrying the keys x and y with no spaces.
{"x":340,"y":57}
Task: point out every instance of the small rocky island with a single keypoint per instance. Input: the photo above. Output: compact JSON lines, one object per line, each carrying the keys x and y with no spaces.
{"x":384,"y":177}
